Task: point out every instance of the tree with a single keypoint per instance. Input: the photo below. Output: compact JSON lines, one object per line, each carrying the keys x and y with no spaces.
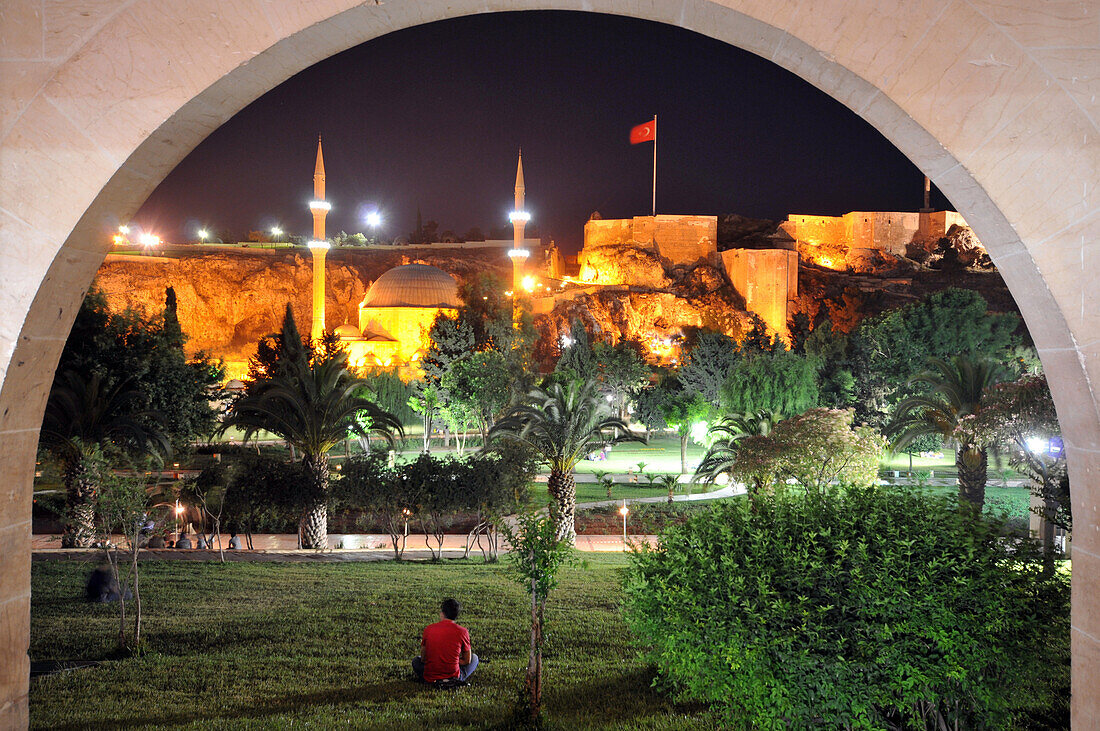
{"x":1021,"y":414}
{"x":709,"y":358}
{"x":479,"y":383}
{"x":537,"y":553}
{"x":860,"y":608}
{"x":889,"y":350}
{"x":147,"y":352}
{"x":721,"y":456}
{"x":814,"y":449}
{"x":314,"y":406}
{"x":563,"y":424}
{"x":778,"y":381}
{"x":88,"y":424}
{"x":120,"y":507}
{"x":682,"y":409}
{"x":484,"y":306}
{"x":957,"y":389}
{"x":578,"y":361}
{"x":829,"y":347}
{"x":622,"y":371}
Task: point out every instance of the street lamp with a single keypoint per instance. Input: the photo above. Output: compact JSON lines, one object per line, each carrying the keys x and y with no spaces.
{"x":203,"y":235}
{"x":179,"y":512}
{"x":405,"y":539}
{"x":624,"y":511}
{"x":374,"y":219}
{"x":124,"y":229}
{"x":276,"y":232}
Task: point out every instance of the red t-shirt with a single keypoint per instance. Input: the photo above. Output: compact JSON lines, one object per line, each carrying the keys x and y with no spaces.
{"x":444,"y":642}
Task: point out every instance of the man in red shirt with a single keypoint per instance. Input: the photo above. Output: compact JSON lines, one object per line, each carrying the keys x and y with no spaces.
{"x":445,"y":651}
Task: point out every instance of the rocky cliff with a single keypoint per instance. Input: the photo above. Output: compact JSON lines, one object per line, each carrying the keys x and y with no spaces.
{"x":229,"y":300}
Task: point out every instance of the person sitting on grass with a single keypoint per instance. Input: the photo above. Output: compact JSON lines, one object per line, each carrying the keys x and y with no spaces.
{"x":445,"y":650}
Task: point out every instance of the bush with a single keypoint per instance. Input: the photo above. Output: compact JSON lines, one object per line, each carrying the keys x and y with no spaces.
{"x":858,"y":609}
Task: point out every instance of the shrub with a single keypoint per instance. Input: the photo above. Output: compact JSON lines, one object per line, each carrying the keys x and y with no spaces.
{"x":814,"y":449}
{"x":858,"y":609}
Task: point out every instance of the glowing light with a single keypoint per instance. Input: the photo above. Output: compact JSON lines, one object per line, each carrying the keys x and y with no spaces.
{"x":722,"y":479}
{"x":149,"y":240}
{"x":119,"y":239}
{"x":826,"y":261}
{"x":624,"y":511}
{"x":518,"y":253}
{"x":374,"y":219}
{"x":320,"y":206}
{"x":179,"y":508}
{"x":315,"y":244}
{"x":566,"y":341}
{"x":276,"y":231}
{"x":124,"y":229}
{"x":1037,"y":444}
{"x":203,"y":234}
{"x":485,"y":297}
{"x":519,"y":216}
{"x":699,"y":432}
{"x":529,"y":283}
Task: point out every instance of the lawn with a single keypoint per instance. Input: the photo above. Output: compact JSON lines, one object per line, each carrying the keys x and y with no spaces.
{"x":272,"y":645}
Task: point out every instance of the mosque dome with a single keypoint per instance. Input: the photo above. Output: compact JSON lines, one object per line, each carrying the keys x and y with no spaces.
{"x":348,"y":332}
{"x":413,"y":285}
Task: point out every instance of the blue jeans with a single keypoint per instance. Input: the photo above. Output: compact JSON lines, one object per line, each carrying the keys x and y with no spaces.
{"x":464,"y":671}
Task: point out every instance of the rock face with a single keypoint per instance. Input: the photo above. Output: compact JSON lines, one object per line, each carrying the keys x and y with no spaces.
{"x":228,"y":301}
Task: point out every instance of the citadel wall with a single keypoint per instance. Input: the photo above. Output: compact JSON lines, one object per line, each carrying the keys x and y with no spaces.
{"x":826,"y":240}
{"x":767,"y":279}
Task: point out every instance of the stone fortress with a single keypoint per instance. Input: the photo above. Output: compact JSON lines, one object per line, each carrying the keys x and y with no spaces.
{"x":664,"y":253}
{"x":645,"y":278}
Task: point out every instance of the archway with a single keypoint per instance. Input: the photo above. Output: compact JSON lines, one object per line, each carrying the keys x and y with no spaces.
{"x":995,"y":103}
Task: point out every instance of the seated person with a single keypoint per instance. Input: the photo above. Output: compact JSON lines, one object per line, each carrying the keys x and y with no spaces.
{"x":234,"y":543}
{"x":445,"y":650}
{"x":183,"y":542}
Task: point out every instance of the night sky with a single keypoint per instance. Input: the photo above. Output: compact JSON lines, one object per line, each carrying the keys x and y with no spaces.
{"x":432,"y":117}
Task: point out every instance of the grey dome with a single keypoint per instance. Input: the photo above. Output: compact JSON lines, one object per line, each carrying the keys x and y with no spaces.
{"x":413,"y":285}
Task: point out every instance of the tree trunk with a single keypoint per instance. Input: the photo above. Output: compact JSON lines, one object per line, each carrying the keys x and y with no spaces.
{"x":563,"y":490}
{"x":315,"y":525}
{"x":533,"y":681}
{"x":683,"y":454}
{"x":973,"y":466}
{"x":80,"y":526}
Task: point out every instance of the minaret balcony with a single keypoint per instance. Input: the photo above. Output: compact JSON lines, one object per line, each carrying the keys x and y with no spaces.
{"x":518,"y":253}
{"x":320,"y":206}
{"x":519,"y":216}
{"x":315,"y":244}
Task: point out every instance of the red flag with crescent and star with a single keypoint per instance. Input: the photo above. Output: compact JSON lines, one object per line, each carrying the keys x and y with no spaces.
{"x":644,"y":132}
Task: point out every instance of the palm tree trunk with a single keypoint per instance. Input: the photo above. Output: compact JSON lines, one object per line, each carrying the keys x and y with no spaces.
{"x":80,"y":525}
{"x":315,"y":525}
{"x":563,"y":490}
{"x":683,"y":453}
{"x":973,"y":465}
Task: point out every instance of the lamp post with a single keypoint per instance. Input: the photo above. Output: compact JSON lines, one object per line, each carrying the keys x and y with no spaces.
{"x":179,"y":512}
{"x":203,"y":235}
{"x":405,"y":538}
{"x":624,"y":511}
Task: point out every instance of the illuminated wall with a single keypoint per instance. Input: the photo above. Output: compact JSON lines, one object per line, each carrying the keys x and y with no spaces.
{"x":393,"y":336}
{"x":826,"y":240}
{"x":767,"y":279}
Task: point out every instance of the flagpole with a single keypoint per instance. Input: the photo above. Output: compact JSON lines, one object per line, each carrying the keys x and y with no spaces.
{"x":654,"y":165}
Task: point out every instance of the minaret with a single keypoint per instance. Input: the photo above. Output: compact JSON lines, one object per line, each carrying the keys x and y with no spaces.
{"x":318,"y":246}
{"x":519,"y":218}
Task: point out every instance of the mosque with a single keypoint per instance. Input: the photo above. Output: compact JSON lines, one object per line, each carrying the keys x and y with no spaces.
{"x":399,"y":308}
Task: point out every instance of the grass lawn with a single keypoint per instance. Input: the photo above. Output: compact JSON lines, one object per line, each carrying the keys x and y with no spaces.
{"x":591,"y":492}
{"x":272,"y":645}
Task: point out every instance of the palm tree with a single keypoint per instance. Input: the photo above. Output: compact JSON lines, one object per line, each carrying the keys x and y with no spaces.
{"x":722,"y":454}
{"x":314,"y":407}
{"x":564,"y":424}
{"x":85,"y":421}
{"x":957,"y":390}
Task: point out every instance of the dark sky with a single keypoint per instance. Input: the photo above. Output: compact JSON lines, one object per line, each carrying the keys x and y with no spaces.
{"x":432,"y":117}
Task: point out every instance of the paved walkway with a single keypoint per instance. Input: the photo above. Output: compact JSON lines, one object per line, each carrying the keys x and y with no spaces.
{"x":269,"y":547}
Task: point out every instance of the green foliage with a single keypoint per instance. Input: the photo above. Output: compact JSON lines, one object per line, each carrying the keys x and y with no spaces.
{"x":148,"y":353}
{"x":622,"y":371}
{"x":390,"y":393}
{"x":814,"y":449}
{"x":862,"y":609}
{"x":479,"y":384}
{"x":265,"y":493}
{"x":886,"y":351}
{"x":778,"y":381}
{"x":829,"y":347}
{"x":578,"y":359}
{"x":709,"y":358}
{"x":649,"y":407}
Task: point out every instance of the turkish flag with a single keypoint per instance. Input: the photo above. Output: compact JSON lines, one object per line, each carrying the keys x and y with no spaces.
{"x":644,"y":132}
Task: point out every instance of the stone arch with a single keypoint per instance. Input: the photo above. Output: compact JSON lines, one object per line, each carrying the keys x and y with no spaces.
{"x":994,"y":100}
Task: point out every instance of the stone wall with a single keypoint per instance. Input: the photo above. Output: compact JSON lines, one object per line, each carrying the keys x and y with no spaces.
{"x":767,"y":279}
{"x":826,"y":240}
{"x":676,"y":240}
